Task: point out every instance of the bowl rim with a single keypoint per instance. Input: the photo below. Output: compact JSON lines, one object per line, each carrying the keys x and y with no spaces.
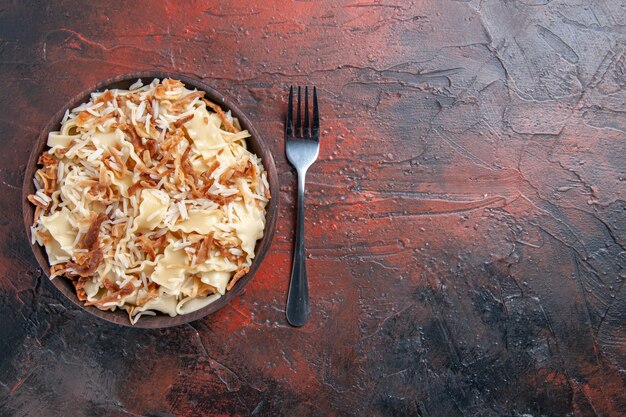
{"x":256,"y":142}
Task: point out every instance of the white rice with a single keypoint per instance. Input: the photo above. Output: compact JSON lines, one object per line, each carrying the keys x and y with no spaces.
{"x":140,"y":109}
{"x":115,"y":166}
{"x":228,"y":192}
{"x":92,"y":111}
{"x":33,"y":235}
{"x":72,"y":151}
{"x":183,"y":210}
{"x":39,"y":200}
{"x":95,"y":155}
{"x":42,"y":196}
{"x":181,"y":244}
{"x":136,"y":85}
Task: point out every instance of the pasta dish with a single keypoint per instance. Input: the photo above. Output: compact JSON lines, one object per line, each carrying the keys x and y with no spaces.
{"x":149,"y":201}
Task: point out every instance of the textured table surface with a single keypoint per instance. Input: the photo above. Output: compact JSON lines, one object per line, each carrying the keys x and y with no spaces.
{"x":466,"y":219}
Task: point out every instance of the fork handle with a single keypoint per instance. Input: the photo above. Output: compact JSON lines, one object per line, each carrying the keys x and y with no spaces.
{"x":298,"y":309}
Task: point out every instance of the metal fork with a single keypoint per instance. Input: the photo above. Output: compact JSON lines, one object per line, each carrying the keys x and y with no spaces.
{"x":302,"y":146}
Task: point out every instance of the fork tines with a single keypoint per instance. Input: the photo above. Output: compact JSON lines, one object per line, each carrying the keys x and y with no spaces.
{"x":306,"y":130}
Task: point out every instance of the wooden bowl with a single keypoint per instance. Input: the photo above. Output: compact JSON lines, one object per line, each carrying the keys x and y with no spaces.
{"x":255,"y":144}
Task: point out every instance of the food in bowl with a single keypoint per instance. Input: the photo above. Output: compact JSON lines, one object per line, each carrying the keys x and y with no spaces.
{"x":148,"y":200}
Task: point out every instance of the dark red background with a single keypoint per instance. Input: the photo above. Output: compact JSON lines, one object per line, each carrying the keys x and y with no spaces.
{"x":466,"y":218}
